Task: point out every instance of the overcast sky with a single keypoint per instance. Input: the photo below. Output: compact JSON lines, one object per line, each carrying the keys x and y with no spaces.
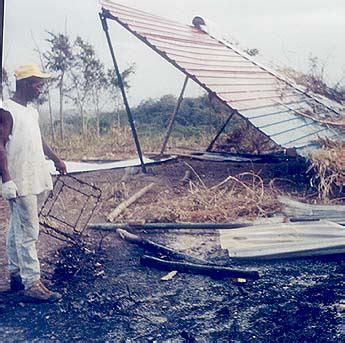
{"x":285,"y":32}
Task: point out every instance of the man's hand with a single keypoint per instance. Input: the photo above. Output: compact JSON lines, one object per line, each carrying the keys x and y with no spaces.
{"x":9,"y":190}
{"x":60,"y":166}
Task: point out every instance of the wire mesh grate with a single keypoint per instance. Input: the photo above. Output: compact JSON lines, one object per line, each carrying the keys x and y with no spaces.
{"x":69,"y":207}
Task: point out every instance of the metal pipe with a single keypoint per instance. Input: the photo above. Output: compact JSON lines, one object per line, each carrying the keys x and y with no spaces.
{"x":173,"y":117}
{"x":167,"y":226}
{"x":2,"y":19}
{"x":122,"y":88}
{"x":209,"y":148}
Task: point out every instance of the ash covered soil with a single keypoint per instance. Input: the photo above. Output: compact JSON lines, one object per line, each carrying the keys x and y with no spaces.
{"x":109,"y":296}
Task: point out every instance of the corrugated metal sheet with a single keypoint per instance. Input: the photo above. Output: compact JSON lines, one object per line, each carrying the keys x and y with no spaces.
{"x":279,"y":109}
{"x":284,"y":240}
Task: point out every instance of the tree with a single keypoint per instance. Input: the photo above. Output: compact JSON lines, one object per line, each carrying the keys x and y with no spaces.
{"x":89,"y":80}
{"x":81,"y":77}
{"x":99,"y":86}
{"x":195,"y":113}
{"x":47,"y":92}
{"x":59,"y":59}
{"x":113,"y":86}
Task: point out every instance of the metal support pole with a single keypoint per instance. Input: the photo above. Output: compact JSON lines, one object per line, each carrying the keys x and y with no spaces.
{"x":125,"y":101}
{"x":209,"y":148}
{"x":168,"y":226}
{"x":172,"y":119}
{"x":2,"y":21}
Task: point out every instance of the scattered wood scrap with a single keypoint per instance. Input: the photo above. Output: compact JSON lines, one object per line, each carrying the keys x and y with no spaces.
{"x":186,"y":178}
{"x":119,"y":209}
{"x":169,"y":276}
{"x":194,"y":268}
{"x":239,"y":280}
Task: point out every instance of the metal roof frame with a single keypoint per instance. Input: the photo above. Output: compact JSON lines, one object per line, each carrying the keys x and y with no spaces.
{"x":123,"y":91}
{"x":248,"y":88}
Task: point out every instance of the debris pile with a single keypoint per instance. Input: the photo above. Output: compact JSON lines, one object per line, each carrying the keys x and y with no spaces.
{"x":241,"y":196}
{"x":244,"y":138}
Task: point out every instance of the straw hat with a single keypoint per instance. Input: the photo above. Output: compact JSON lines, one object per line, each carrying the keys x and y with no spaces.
{"x":29,"y":70}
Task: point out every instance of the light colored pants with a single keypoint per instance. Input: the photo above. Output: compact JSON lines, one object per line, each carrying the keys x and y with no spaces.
{"x":22,"y":236}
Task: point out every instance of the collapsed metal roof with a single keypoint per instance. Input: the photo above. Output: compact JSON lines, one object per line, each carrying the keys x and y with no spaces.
{"x":281,"y":110}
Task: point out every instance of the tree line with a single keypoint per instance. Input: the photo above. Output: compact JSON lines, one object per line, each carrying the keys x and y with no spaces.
{"x":80,"y":78}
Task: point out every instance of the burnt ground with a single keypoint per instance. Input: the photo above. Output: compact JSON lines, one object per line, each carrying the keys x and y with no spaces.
{"x":109,"y":296}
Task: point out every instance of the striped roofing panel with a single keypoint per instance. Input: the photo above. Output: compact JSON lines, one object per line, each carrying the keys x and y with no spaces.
{"x":276,"y":107}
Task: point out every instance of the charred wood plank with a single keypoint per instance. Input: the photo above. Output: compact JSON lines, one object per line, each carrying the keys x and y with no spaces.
{"x":157,"y":248}
{"x":194,"y":268}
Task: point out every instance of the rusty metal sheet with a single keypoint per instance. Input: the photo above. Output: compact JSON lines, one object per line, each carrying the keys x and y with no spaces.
{"x":274,"y":105}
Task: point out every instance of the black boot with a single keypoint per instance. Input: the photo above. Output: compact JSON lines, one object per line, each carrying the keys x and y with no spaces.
{"x":16,"y":283}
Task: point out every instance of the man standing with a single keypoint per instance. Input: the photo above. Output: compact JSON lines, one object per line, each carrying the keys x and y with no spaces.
{"x":25,"y":178}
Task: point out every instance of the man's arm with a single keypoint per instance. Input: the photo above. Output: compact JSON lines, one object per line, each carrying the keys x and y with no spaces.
{"x":6,"y":124}
{"x":9,"y":188}
{"x":58,"y":162}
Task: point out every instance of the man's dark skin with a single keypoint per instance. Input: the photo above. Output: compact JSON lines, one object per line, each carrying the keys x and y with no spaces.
{"x":27,"y":90}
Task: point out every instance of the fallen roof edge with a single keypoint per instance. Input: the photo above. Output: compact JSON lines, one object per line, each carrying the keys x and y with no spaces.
{"x":323,"y":126}
{"x":108,"y":15}
{"x":288,"y":81}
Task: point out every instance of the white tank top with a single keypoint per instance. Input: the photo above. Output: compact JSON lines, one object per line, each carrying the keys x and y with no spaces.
{"x":27,"y":165}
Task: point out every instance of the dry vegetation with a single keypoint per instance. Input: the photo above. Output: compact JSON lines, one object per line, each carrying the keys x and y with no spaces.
{"x":244,"y":195}
{"x":118,"y":144}
{"x":235,"y":197}
{"x":329,"y":167}
{"x":240,"y":197}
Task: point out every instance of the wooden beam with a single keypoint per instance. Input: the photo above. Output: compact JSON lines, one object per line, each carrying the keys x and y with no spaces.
{"x":119,"y":209}
{"x":193,"y":268}
{"x":157,"y":248}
